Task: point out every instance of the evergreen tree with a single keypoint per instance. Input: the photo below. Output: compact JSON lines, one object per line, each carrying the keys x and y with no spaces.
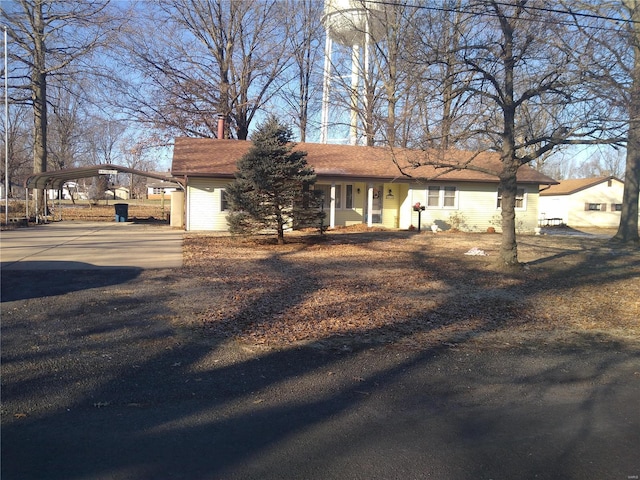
{"x":272,"y":185}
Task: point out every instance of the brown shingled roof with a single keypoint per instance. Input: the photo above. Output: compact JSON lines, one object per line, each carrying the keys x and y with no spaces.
{"x":567,"y":187}
{"x":206,"y":157}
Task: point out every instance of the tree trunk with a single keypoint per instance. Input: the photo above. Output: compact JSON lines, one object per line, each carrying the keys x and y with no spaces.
{"x":39,"y":98}
{"x":628,"y":228}
{"x":508,"y":246}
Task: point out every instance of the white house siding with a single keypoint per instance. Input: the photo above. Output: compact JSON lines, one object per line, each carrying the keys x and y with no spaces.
{"x":553,"y":207}
{"x":203,"y":205}
{"x":574,"y":211}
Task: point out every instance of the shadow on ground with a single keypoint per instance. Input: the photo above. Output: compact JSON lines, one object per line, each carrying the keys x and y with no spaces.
{"x":59,"y":278}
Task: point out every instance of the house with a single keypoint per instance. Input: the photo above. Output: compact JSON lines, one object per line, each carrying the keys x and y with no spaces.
{"x":158,"y":188}
{"x":117,"y":193}
{"x":583,"y":202}
{"x":363,"y":185}
{"x":67,"y":190}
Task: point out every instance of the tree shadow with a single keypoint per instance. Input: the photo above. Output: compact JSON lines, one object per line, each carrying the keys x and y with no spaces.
{"x":50,"y":278}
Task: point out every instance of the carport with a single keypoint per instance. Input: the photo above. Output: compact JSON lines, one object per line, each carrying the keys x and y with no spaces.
{"x":57,"y":178}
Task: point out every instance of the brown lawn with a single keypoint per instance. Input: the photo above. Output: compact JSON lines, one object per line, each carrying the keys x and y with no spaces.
{"x":411,"y":289}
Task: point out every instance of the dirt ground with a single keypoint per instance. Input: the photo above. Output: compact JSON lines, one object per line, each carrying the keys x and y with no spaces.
{"x":330,"y":357}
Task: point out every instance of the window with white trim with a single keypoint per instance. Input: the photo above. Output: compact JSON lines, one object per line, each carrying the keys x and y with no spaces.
{"x":224,"y":200}
{"x":442,"y":197}
{"x":520,"y":198}
{"x":348,"y":196}
{"x":345,"y":199}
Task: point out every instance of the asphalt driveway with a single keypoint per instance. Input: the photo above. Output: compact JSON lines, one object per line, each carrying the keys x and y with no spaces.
{"x":91,"y":245}
{"x":102,"y":380}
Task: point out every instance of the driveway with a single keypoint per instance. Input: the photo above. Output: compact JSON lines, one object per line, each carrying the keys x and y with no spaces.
{"x":91,"y":245}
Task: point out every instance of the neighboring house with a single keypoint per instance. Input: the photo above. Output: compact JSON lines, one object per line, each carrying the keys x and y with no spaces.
{"x":363,"y":185}
{"x":583,"y":202}
{"x":117,"y":193}
{"x":157,"y":189}
{"x":68,"y":189}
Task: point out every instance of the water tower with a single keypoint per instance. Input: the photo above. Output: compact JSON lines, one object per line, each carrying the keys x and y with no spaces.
{"x":355,"y":24}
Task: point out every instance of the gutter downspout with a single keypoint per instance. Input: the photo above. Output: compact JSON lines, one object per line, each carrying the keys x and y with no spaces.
{"x":186,"y":206}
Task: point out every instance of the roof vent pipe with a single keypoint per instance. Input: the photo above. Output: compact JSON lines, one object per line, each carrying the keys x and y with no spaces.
{"x":220,"y":126}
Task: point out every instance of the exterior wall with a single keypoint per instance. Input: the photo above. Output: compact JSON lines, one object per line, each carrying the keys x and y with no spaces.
{"x":157,"y":196}
{"x":204,"y":198}
{"x":475,"y":206}
{"x":177,"y":209}
{"x":391,"y":206}
{"x":349,"y":216}
{"x":554,"y":207}
{"x":574,"y":211}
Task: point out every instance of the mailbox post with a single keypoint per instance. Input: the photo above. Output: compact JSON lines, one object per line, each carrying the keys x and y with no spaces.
{"x":419,"y":208}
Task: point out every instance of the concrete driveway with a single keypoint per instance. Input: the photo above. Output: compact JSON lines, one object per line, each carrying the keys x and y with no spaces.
{"x":91,"y":245}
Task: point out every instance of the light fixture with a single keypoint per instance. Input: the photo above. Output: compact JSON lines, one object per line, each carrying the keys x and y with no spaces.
{"x":358,"y":190}
{"x":390,"y":194}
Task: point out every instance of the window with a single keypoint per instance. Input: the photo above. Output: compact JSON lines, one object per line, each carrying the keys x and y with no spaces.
{"x":433,"y":197}
{"x":442,"y":197}
{"x":349,"y":197}
{"x":224,"y":201}
{"x":596,"y":207}
{"x":519,"y":198}
{"x":326,"y":194}
{"x":449,"y":197}
{"x":616,"y":207}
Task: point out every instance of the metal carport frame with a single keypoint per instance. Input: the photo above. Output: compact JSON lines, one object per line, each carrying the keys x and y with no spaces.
{"x":57,"y":178}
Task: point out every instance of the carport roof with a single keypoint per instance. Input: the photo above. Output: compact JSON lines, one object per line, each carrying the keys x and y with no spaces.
{"x":56,"y":178}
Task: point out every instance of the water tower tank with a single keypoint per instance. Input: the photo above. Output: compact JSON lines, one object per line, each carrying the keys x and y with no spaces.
{"x":346,"y":20}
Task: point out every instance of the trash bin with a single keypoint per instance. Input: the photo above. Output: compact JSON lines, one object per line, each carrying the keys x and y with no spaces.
{"x":122,"y":212}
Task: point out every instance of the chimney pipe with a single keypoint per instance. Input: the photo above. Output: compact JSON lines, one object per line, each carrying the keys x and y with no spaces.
{"x":220,"y":126}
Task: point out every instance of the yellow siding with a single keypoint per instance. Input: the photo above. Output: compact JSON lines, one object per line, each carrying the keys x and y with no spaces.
{"x":390,"y":206}
{"x":476,"y":209}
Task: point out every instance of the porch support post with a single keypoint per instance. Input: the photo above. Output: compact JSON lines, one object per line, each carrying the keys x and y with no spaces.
{"x":370,"y":205}
{"x":332,"y":208}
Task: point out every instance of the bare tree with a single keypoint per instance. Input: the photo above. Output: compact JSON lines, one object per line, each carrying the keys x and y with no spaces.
{"x":65,"y":130}
{"x":524,"y":61}
{"x":614,"y":27}
{"x":103,"y":140}
{"x":19,"y":148}
{"x":628,"y":228}
{"x":137,"y":154}
{"x":301,"y":79}
{"x":47,"y":37}
{"x":214,"y":58}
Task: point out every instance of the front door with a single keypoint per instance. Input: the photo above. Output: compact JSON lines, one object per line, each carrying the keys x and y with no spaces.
{"x":376,"y":211}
